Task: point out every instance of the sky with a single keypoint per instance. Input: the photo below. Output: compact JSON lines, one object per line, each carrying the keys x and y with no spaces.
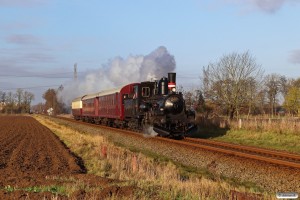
{"x":116,"y":42}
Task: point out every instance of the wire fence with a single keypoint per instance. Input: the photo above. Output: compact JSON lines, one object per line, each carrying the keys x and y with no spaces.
{"x":278,"y":125}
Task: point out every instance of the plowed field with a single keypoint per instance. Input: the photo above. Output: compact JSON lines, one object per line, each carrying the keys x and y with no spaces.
{"x":35,"y":164}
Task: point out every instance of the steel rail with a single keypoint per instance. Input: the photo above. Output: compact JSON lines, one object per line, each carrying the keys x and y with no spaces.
{"x":241,"y":154}
{"x":250,"y":149}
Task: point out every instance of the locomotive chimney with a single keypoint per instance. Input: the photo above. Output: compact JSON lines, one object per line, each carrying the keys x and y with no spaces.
{"x":172,"y":82}
{"x":163,"y":86}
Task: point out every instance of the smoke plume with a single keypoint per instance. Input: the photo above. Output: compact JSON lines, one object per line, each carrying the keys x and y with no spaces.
{"x":119,"y":72}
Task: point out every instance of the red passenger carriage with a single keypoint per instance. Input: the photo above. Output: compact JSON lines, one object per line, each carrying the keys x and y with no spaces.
{"x":106,"y":107}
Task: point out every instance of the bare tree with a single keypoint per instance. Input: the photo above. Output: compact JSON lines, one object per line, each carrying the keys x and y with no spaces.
{"x":27,"y":99}
{"x":38,"y":108}
{"x":2,"y":100}
{"x":273,"y":85}
{"x":188,"y":95}
{"x":2,"y":97}
{"x":252,"y":92}
{"x":230,"y":81}
{"x":52,"y":101}
{"x":19,"y":99}
{"x":285,"y":84}
{"x":10,"y":103}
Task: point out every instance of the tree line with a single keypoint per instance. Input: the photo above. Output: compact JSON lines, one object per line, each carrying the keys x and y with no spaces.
{"x":18,"y":102}
{"x":235,"y":86}
{"x":53,"y":105}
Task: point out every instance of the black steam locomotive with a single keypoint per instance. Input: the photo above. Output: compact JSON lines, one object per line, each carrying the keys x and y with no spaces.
{"x":158,"y":104}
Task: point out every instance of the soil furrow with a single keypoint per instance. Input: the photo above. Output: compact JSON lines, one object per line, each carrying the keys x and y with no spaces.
{"x":31,"y":156}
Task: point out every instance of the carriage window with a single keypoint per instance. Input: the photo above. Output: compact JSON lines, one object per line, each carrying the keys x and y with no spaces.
{"x":125,"y":96}
{"x":145,"y":91}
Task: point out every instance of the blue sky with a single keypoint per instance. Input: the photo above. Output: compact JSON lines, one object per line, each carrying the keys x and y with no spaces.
{"x":40,"y":40}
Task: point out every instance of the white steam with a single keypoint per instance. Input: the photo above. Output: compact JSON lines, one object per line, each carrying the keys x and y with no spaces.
{"x":149,"y":132}
{"x":118,"y":72}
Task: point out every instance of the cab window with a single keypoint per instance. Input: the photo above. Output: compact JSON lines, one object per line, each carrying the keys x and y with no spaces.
{"x":145,"y":91}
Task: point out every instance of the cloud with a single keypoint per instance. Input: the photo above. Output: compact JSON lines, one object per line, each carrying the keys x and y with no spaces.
{"x":120,"y":71}
{"x":15,"y":26}
{"x":25,"y":57}
{"x":26,"y":50}
{"x":23,"y":39}
{"x":268,"y":6}
{"x":21,"y":2}
{"x":295,"y":56}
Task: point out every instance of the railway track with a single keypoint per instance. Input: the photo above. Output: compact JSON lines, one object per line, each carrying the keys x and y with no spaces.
{"x":255,"y":153}
{"x":266,"y":155}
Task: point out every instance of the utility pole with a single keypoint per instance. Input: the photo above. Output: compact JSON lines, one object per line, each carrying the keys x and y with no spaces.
{"x":75,"y":71}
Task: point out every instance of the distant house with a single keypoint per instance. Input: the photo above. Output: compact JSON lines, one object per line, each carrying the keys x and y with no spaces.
{"x":50,"y":111}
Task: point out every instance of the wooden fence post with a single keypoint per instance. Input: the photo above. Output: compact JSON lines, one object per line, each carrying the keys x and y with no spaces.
{"x":104,"y":151}
{"x":134,"y":163}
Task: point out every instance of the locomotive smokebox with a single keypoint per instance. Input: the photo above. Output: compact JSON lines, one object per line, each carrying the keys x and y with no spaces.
{"x":171,"y":81}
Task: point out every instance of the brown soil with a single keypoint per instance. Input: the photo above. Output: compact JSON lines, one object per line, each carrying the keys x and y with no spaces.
{"x":31,"y":157}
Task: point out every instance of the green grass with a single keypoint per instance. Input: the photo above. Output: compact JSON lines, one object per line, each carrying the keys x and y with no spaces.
{"x":279,"y":141}
{"x":54,"y":189}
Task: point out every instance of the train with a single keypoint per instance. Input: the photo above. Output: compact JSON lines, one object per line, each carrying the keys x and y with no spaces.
{"x":138,"y":106}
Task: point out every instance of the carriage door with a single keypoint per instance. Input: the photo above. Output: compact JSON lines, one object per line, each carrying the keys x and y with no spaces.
{"x":135,"y":100}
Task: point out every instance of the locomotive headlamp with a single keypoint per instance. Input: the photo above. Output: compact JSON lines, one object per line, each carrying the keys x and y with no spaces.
{"x":173,"y":89}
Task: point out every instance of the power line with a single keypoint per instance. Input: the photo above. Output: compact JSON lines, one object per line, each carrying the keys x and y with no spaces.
{"x":188,"y":77}
{"x":39,"y":75}
{"x":33,"y":87}
{"x":75,"y":71}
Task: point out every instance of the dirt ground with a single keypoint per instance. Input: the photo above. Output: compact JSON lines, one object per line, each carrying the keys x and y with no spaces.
{"x":35,"y":164}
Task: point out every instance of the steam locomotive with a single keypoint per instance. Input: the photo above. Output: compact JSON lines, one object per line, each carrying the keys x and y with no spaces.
{"x":138,"y":106}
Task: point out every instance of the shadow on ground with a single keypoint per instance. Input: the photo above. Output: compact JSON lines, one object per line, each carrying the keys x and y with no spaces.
{"x":207,"y":132}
